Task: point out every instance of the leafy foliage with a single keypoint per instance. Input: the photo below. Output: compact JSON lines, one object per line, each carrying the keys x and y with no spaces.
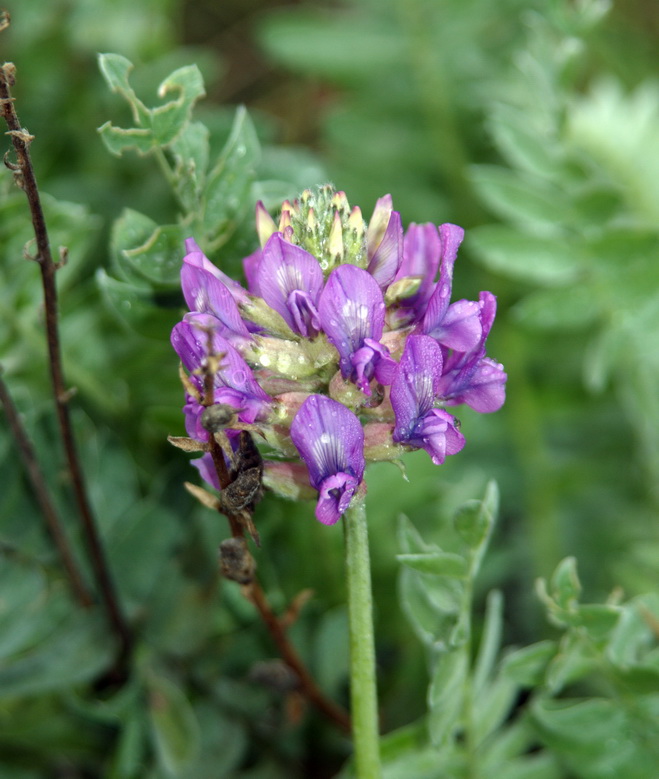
{"x":532,"y":124}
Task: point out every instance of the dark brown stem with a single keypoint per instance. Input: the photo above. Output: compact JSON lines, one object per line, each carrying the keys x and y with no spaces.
{"x":42,"y":495}
{"x":254,"y":592}
{"x":26,"y":179}
{"x":310,"y":689}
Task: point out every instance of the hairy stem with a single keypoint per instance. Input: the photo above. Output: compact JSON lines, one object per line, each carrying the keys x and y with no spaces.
{"x":43,"y":498}
{"x":363,"y":687}
{"x":26,"y":180}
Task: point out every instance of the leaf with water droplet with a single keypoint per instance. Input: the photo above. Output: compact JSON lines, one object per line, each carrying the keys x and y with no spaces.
{"x":228,"y":190}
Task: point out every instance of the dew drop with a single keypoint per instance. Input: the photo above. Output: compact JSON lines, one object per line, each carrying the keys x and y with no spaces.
{"x":324,"y":438}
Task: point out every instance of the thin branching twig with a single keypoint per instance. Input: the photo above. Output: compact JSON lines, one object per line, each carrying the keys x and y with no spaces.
{"x":26,"y":180}
{"x":251,"y":587}
{"x":42,"y":496}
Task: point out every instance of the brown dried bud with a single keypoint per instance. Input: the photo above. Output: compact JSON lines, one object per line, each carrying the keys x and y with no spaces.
{"x":236,"y":563}
{"x":242,"y":491}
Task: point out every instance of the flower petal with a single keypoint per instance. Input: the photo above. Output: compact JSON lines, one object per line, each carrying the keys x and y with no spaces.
{"x":461,"y":327}
{"x":378,"y":224}
{"x":351,"y":309}
{"x":335,"y":494}
{"x":195,"y":340}
{"x":290,"y":279}
{"x":450,"y":237}
{"x":196,"y":258}
{"x":388,"y":256}
{"x":438,"y":434}
{"x":204,"y":293}
{"x":414,"y":385}
{"x":330,"y":440}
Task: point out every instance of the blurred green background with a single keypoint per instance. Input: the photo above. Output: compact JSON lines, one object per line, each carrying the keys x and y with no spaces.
{"x":535,"y":125}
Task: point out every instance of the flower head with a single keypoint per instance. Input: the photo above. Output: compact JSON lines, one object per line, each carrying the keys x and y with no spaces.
{"x":330,"y":440}
{"x":344,"y":346}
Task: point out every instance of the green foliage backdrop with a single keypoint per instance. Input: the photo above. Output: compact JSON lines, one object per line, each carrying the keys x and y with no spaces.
{"x":535,"y":125}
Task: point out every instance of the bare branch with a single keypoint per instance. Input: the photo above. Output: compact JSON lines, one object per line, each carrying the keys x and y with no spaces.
{"x":42,"y":495}
{"x":21,"y":140}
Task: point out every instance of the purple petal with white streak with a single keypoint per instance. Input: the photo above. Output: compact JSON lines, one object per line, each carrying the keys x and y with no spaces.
{"x":290,"y":279}
{"x":195,"y":257}
{"x":204,"y":293}
{"x":351,"y":309}
{"x":330,"y":440}
{"x":413,"y":388}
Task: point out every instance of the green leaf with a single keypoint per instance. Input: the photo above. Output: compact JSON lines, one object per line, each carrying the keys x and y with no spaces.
{"x":598,"y":619}
{"x":634,"y":635}
{"x":547,"y":261}
{"x":432,"y":604}
{"x":597,"y":738}
{"x":492,"y":706}
{"x":331,"y":650}
{"x":524,"y":200}
{"x":446,"y":695}
{"x":576,"y":658}
{"x":118,"y":140}
{"x":160,"y":257}
{"x":168,"y":121}
{"x":436,"y":563}
{"x":527,"y":666}
{"x":490,"y":642}
{"x":523,"y":146}
{"x":115,"y":70}
{"x":474,"y":520}
{"x":157,"y":127}
{"x":409,"y":539}
{"x":140,"y":546}
{"x":23,"y":616}
{"x":224,"y":741}
{"x":306,"y":40}
{"x":565,"y":584}
{"x":174,"y":727}
{"x":228,"y":188}
{"x":75,"y":653}
{"x":131,"y":746}
{"x":133,"y":306}
{"x":569,"y":308}
{"x":191,"y":151}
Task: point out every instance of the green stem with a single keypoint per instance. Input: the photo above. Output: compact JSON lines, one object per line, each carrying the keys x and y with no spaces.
{"x":363,"y":689}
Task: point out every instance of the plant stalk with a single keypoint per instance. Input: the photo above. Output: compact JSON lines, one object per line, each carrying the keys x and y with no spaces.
{"x":363,"y":687}
{"x":26,"y":180}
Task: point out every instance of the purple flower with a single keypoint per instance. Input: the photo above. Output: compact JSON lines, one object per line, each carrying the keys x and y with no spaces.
{"x":421,"y":252}
{"x":197,"y":338}
{"x":456,"y":326}
{"x":290,"y":279}
{"x":206,"y":292}
{"x":207,"y":471}
{"x":384,"y":242}
{"x":413,"y":392}
{"x":352,"y":310}
{"x":330,"y":440}
{"x":471,"y":377}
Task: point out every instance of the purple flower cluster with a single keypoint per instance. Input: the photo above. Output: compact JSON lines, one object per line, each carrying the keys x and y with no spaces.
{"x":344,"y":348}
